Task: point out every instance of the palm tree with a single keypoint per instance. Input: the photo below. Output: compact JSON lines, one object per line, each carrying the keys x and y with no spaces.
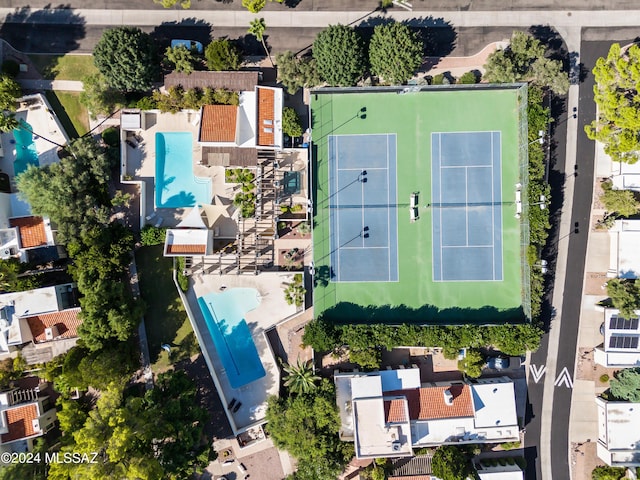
{"x":8,"y":122}
{"x":257,"y":28}
{"x":300,"y":377}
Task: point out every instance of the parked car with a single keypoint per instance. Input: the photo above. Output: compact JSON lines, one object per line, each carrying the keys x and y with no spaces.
{"x":190,"y":44}
{"x":498,"y":363}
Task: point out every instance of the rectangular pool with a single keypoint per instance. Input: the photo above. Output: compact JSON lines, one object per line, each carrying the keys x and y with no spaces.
{"x":176,"y":185}
{"x":26,"y":153}
{"x":224,"y":316}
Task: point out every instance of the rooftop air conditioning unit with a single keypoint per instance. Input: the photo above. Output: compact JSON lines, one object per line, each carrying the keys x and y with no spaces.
{"x":396,"y":446}
{"x":7,"y":251}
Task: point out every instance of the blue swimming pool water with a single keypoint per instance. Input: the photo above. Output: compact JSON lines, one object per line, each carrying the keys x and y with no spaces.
{"x":176,"y":185}
{"x":26,"y":153}
{"x":224,"y":314}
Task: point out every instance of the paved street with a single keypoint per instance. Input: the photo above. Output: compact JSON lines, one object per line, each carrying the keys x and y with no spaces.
{"x":551,"y":369}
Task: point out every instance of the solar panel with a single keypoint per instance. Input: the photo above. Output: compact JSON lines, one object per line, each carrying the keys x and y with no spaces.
{"x":619,"y":323}
{"x":618,"y":341}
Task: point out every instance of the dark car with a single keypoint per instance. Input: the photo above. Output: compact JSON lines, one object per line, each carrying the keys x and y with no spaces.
{"x":498,"y":363}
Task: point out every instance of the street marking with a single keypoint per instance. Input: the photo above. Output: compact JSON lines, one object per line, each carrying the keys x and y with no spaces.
{"x":565,"y":378}
{"x":537,"y":372}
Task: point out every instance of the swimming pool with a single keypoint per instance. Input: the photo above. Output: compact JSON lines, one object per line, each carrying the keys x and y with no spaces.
{"x":224,"y":314}
{"x":26,"y":153}
{"x":176,"y":185}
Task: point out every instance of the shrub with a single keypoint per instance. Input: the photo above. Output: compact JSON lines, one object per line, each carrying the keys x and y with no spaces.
{"x":111,"y":137}
{"x":183,"y":280}
{"x":607,"y":473}
{"x":291,"y":122}
{"x":468,"y":78}
{"x":222,"y":54}
{"x":150,"y":235}
{"x":604,"y":378}
{"x":437,"y":79}
{"x":510,"y":446}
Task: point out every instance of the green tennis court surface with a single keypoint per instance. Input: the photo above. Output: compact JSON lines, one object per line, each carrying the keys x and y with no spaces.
{"x":481,"y":259}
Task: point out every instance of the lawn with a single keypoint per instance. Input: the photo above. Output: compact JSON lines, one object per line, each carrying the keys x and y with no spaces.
{"x":66,"y":67}
{"x":72,"y":114}
{"x":166,"y":320}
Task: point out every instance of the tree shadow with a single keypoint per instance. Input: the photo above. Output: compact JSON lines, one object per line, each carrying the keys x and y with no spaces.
{"x":250,"y":45}
{"x":292,"y":3}
{"x":348,"y":313}
{"x":40,"y":30}
{"x":188,"y":29}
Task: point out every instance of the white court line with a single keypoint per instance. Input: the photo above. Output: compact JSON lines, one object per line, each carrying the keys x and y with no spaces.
{"x":440,"y":184}
{"x":466,"y":166}
{"x":501,"y":199}
{"x":467,"y":246}
{"x":466,"y":204}
{"x":493,"y":221}
{"x":360,"y":169}
{"x":337,"y":215}
{"x":362,"y":210}
{"x":362,"y":248}
{"x":388,"y":218}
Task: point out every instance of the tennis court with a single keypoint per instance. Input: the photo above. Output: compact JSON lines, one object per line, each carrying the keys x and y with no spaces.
{"x":466,"y":196}
{"x":362,"y":205}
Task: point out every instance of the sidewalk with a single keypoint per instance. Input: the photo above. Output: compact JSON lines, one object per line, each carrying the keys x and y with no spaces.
{"x":583,"y":432}
{"x":294,"y":18}
{"x":66,"y":85}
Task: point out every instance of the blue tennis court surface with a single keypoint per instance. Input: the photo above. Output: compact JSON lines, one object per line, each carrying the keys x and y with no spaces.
{"x":363,"y":209}
{"x":466,"y":199}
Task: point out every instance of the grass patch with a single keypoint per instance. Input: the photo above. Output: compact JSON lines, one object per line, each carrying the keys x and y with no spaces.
{"x":166,"y":320}
{"x":72,"y":114}
{"x":65,"y":67}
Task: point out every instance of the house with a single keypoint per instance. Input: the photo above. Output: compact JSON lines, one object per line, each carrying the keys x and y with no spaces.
{"x":389,"y":413}
{"x":256,"y":122}
{"x":42,"y":317}
{"x":24,"y":416}
{"x":618,"y":436}
{"x":621,"y":346}
{"x":22,"y":233}
{"x":624,"y":256}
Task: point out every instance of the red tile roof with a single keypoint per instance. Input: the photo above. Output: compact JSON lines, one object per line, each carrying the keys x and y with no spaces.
{"x":394,"y":411}
{"x":266,"y":100}
{"x":427,"y":403}
{"x":20,"y":422}
{"x":32,"y":233}
{"x":189,"y":249}
{"x":218,"y":123}
{"x":66,"y":322}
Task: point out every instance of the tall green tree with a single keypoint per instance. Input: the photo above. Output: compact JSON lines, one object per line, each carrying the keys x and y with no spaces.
{"x":257,"y":28}
{"x":339,"y":54}
{"x":621,"y":202}
{"x":450,"y":463}
{"x":617,"y":97}
{"x":182,"y":58}
{"x":296,"y":72}
{"x":72,"y":192}
{"x":10,"y":91}
{"x":8,"y":122}
{"x":307,"y":427}
{"x":127,"y":57}
{"x":222,"y":54}
{"x":99,"y":97}
{"x":625,"y":296}
{"x":626,"y":385}
{"x":395,"y":52}
{"x":524,"y":61}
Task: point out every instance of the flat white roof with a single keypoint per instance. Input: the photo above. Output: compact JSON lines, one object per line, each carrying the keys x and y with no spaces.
{"x":366,"y":386}
{"x":618,"y":425}
{"x":376,"y":438}
{"x":400,"y":379}
{"x":624,"y":252}
{"x":516,"y":474}
{"x":246,"y":135}
{"x":494,"y":404}
{"x":626,"y":176}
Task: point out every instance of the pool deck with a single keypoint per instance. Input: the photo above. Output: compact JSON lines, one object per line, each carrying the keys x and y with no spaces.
{"x":141,"y":163}
{"x":271,"y":311}
{"x":43,"y":122}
